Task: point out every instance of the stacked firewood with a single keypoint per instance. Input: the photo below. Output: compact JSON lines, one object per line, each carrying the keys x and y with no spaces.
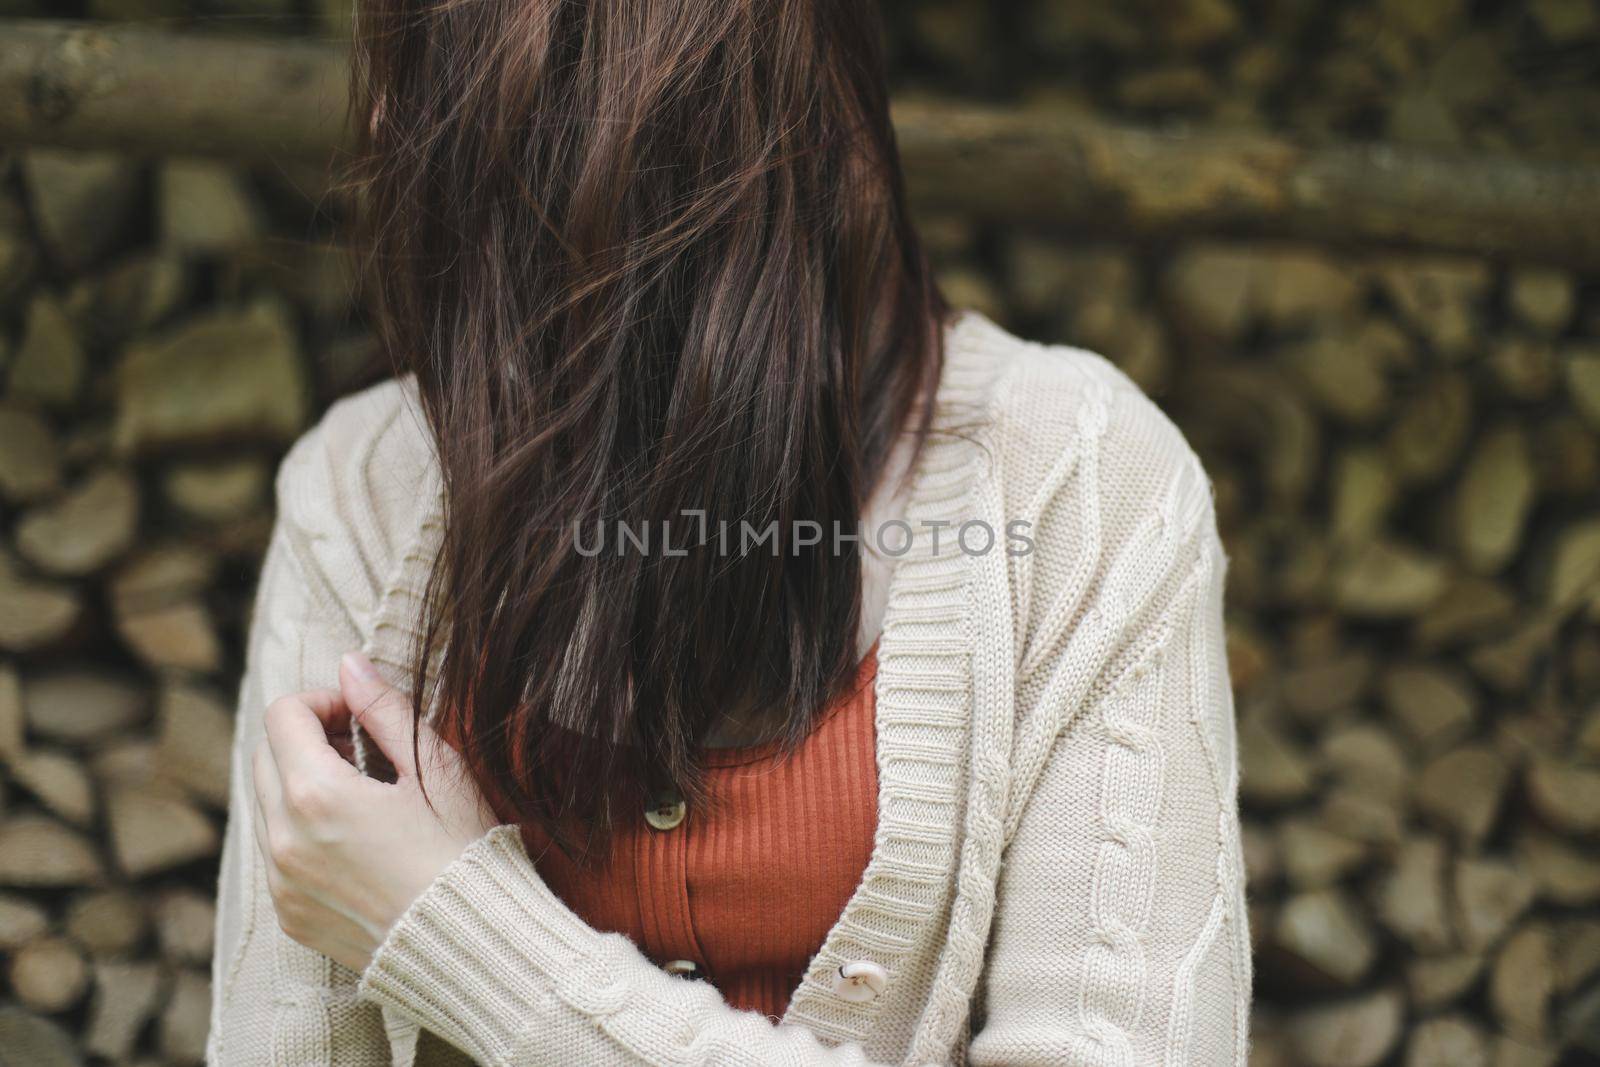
{"x":1405,"y":447}
{"x":157,"y":364}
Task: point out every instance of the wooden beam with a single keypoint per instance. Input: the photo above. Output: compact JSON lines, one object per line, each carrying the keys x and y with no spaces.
{"x":1023,"y":166}
{"x":149,"y":92}
{"x":108,"y":86}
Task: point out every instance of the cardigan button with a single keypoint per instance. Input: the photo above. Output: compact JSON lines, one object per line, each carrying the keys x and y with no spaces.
{"x":682,"y":968}
{"x":859,"y":981}
{"x":665,"y":811}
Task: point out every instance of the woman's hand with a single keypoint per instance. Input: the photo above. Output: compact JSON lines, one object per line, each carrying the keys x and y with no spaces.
{"x":347,"y":854}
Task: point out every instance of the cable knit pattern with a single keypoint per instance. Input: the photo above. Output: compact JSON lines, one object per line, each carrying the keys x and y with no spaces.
{"x":1056,"y":875}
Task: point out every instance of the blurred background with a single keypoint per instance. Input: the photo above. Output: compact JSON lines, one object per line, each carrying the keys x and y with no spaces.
{"x":1389,"y":359}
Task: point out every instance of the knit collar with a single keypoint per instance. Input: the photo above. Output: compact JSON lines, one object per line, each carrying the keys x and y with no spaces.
{"x":925,"y":740}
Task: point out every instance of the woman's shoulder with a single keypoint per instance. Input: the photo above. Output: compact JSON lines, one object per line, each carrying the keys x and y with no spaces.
{"x":354,"y":486}
{"x":1072,"y":437}
{"x":1119,"y":512}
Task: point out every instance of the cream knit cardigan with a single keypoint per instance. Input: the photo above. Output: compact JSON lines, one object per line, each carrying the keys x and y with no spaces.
{"x":1056,"y":877}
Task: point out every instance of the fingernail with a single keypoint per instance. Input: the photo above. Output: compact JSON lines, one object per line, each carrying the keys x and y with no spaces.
{"x":362,"y":668}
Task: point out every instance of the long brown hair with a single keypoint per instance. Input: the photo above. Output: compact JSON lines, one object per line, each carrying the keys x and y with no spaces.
{"x":645,"y":258}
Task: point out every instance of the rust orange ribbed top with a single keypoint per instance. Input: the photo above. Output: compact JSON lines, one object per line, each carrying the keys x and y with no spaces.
{"x":748,"y":888}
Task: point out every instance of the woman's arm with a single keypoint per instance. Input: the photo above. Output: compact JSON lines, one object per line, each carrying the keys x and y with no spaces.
{"x":1120,"y":934}
{"x":275,"y":1001}
{"x":342,"y":491}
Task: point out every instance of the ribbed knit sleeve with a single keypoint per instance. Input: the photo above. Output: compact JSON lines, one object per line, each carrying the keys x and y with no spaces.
{"x":490,"y":959}
{"x":339,"y":491}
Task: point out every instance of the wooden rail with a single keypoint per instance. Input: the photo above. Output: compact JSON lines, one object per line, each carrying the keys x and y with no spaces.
{"x":150,"y":92}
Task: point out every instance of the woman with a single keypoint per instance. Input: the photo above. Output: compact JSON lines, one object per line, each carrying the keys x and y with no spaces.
{"x":658,"y":764}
